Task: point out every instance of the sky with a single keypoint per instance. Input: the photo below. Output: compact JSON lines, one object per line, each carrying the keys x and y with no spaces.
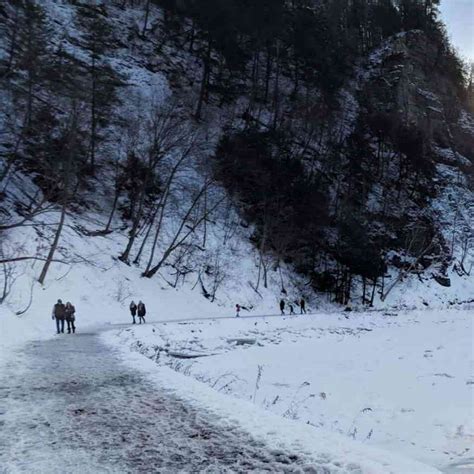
{"x":458,"y":15}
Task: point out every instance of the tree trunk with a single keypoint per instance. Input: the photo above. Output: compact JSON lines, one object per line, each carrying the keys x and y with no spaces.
{"x":13,"y":44}
{"x":204,"y":81}
{"x":67,"y":152}
{"x":363,"y":290}
{"x":133,"y":231}
{"x":263,"y":263}
{"x":372,"y":296}
{"x":136,"y":260}
{"x":157,"y":232}
{"x":147,"y":12}
{"x":204,"y":235}
{"x":297,"y":77}
{"x":93,"y":117}
{"x":193,"y":34}
{"x":347,"y":293}
{"x":268,"y":73}
{"x":114,"y":207}
{"x":54,"y":246}
{"x":147,"y":235}
{"x":276,"y":91}
{"x":29,"y":101}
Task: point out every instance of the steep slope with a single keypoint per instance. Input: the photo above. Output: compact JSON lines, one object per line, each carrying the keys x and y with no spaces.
{"x":360,"y":193}
{"x":431,"y":226}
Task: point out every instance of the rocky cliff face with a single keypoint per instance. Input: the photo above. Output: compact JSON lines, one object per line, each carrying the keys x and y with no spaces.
{"x":407,"y":79}
{"x":411,"y":76}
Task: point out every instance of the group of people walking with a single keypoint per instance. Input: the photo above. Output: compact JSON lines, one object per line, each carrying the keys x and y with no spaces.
{"x":67,"y":313}
{"x":64,"y":313}
{"x":138,"y":310}
{"x":301,"y":303}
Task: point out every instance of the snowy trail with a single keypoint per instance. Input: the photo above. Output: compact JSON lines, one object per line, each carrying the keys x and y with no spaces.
{"x":196,"y":319}
{"x":69,"y":405}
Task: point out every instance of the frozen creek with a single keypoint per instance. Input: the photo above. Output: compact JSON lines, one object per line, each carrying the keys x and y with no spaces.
{"x":68,"y":404}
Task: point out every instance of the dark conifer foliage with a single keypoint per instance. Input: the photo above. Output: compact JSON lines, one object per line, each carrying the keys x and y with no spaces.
{"x":315,"y":41}
{"x":101,"y":80}
{"x":288,"y":206}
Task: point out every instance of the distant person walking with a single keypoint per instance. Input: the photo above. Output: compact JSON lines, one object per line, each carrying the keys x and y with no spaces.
{"x":133,"y":310}
{"x":303,"y":306}
{"x":282,"y":307}
{"x":141,"y":311}
{"x":290,"y":305}
{"x":59,"y":313}
{"x":237,"y":310}
{"x":70,"y":313}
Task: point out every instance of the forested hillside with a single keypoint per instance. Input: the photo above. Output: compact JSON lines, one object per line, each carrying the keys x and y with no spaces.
{"x":333,"y":139}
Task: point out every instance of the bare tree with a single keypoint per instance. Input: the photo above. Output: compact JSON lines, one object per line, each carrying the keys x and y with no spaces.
{"x":8,"y":277}
{"x":263,"y":257}
{"x":117,"y":191}
{"x":147,"y":14}
{"x":162,"y":204}
{"x":217,"y":273}
{"x":186,"y":227}
{"x":461,"y":267}
{"x":230,"y":224}
{"x":66,"y":183}
{"x":182,"y":264}
{"x":30,"y":212}
{"x":405,"y":271}
{"x":165,"y":131}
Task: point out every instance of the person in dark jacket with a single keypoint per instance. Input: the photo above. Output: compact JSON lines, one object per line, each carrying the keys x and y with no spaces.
{"x":59,"y":313}
{"x":141,"y":311}
{"x":133,"y":310}
{"x":290,"y":305}
{"x":237,"y":310}
{"x":70,"y":314}
{"x":303,"y":306}
{"x":282,"y":306}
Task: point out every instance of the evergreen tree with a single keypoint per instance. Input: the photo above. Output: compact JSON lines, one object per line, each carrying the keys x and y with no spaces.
{"x":470,"y":88}
{"x":30,"y":54}
{"x":218,"y":22}
{"x":98,"y":39}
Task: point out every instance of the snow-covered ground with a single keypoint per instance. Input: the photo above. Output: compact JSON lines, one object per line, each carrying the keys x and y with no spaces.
{"x":324,"y":369}
{"x":69,"y":405}
{"x":399,"y":381}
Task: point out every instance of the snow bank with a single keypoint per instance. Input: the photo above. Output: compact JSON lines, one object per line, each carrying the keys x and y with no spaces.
{"x":337,"y":453}
{"x":402,"y":382}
